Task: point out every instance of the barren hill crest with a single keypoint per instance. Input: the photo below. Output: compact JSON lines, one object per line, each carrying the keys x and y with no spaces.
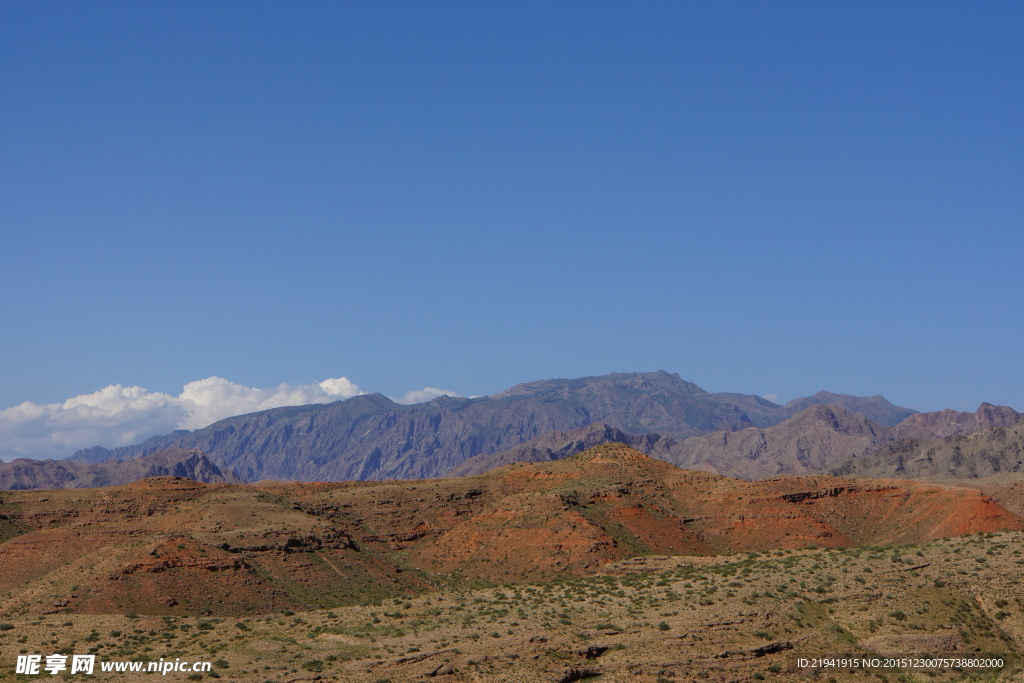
{"x":164,"y":546}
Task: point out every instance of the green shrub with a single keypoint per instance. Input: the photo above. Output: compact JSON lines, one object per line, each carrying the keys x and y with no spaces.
{"x":608,"y":626}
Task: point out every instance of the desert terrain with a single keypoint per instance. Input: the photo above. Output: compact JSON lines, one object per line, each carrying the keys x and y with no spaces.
{"x":608,"y":565}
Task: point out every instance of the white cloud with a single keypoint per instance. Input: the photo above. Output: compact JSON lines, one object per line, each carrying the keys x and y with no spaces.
{"x":118,"y":415}
{"x":214,"y":398}
{"x":423,"y":395}
{"x":774,"y":398}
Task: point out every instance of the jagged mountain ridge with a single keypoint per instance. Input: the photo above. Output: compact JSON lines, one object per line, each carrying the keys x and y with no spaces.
{"x":818,"y":439}
{"x":822,"y":437}
{"x":805,"y":443}
{"x":874,"y":408}
{"x":943,"y":423}
{"x":983,"y":453}
{"x":371,"y":437}
{"x":24,"y":473}
{"x":557,"y":445}
{"x":764,"y":413}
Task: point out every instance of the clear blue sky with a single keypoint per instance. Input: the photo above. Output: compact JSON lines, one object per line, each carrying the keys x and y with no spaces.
{"x":763,"y":197}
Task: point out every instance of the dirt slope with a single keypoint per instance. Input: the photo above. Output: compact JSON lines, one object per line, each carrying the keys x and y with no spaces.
{"x":172,"y":546}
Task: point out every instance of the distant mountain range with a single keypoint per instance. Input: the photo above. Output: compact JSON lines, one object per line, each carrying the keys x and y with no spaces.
{"x":371,"y":437}
{"x":24,"y":473}
{"x":557,"y":445}
{"x":763,"y":413}
{"x":819,"y":439}
{"x":983,"y":453}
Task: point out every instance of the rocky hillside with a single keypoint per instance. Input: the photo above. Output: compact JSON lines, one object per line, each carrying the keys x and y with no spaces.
{"x":984,"y":453}
{"x":557,"y":445}
{"x":830,"y":438}
{"x":943,"y":423}
{"x":371,"y":437}
{"x":174,"y":547}
{"x":818,"y":439}
{"x":806,"y":443}
{"x":728,"y":618}
{"x":69,"y":474}
{"x":874,"y":408}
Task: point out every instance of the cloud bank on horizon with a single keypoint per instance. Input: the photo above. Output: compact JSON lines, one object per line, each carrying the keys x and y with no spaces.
{"x":118,"y":416}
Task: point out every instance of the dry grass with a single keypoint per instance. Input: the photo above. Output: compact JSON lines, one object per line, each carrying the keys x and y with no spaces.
{"x":661,"y":619}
